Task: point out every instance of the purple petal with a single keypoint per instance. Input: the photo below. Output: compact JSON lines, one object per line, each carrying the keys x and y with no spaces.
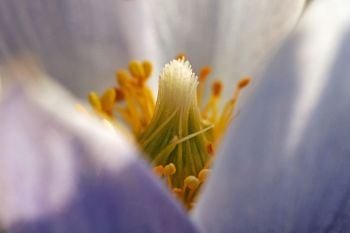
{"x":59,"y":175}
{"x":285,"y":165}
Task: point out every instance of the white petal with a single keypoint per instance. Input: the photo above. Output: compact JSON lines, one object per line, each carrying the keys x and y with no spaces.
{"x":236,"y":37}
{"x":285,"y":165}
{"x":249,"y":33}
{"x":81,"y":42}
{"x":61,"y":171}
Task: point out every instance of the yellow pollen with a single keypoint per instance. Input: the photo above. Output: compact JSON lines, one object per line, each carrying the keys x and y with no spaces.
{"x":210,"y":111}
{"x":181,"y":56}
{"x":244,"y":82}
{"x":211,"y":149}
{"x":191,"y":182}
{"x":169,"y":169}
{"x":136,"y":70}
{"x":217,"y":88}
{"x":205,"y":71}
{"x":177,"y":133}
{"x":203,"y":175}
{"x":159,"y":170}
{"x":122,"y":77}
{"x":203,"y":75}
{"x":95,"y":101}
{"x":148,"y":68}
{"x":119,"y":95}
{"x":107,"y":100}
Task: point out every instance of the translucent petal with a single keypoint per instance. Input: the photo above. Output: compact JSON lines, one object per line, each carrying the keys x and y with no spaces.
{"x":61,"y":171}
{"x":285,"y":165}
{"x":80,"y":42}
{"x":236,"y":37}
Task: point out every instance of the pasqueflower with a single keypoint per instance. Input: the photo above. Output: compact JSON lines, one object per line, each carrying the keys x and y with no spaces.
{"x":282,"y":168}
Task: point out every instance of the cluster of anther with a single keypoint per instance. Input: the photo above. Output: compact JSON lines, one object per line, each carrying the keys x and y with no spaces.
{"x":191,"y":184}
{"x":178,"y":133}
{"x":131,"y":100}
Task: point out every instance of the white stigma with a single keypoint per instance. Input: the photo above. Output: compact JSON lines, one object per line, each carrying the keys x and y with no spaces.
{"x":177,"y":84}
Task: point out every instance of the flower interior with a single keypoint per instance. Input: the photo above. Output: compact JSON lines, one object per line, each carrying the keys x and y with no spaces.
{"x":178,"y":133}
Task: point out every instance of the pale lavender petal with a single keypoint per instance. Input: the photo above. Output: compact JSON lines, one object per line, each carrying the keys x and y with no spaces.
{"x":285,"y":165}
{"x":235,"y":37}
{"x":80,"y":42}
{"x":249,"y":34}
{"x":61,"y":171}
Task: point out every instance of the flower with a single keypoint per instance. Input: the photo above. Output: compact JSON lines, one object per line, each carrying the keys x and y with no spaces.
{"x":179,"y":133}
{"x":280,"y":177}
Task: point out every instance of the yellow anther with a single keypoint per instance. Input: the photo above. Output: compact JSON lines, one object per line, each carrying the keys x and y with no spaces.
{"x":211,"y":149}
{"x":122,"y":77}
{"x":169,"y":169}
{"x":181,"y":56}
{"x":136,"y":70}
{"x":148,"y":68}
{"x":217,"y":88}
{"x":174,"y":133}
{"x":119,"y":95}
{"x":159,"y":170}
{"x":212,"y":105}
{"x":205,"y":71}
{"x":203,"y":175}
{"x":178,"y":191}
{"x":95,"y":101}
{"x":227,"y":114}
{"x":108,"y":100}
{"x":243,"y":82}
{"x":191,"y":182}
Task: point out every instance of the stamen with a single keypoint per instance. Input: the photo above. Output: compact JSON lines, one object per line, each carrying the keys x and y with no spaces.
{"x":122,"y":78}
{"x":205,"y":71}
{"x":177,"y":137}
{"x":217,"y":88}
{"x":203,"y":75}
{"x":181,"y":56}
{"x":97,"y":105}
{"x":107,"y":100}
{"x":211,"y":149}
{"x":95,"y":101}
{"x":244,"y":82}
{"x":227,"y":113}
{"x":192,"y":183}
{"x":137,"y":71}
{"x":138,"y":97}
{"x":178,"y":141}
{"x":169,"y":170}
{"x":147,"y":67}
{"x":159,"y":170}
{"x":159,"y":129}
{"x":178,"y":193}
{"x":119,"y":95}
{"x":203,"y":175}
{"x":212,"y":106}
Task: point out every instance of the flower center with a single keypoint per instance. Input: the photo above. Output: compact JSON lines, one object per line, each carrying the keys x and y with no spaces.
{"x":177,"y":135}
